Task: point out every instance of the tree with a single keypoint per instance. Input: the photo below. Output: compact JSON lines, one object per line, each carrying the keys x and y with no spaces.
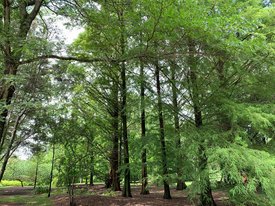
{"x":144,"y":189}
{"x":180,"y":183}
{"x":16,"y":25}
{"x":162,"y":135}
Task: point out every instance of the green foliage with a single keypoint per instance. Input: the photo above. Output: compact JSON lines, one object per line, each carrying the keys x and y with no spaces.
{"x":41,"y":190}
{"x":223,"y":53}
{"x":14,"y":183}
{"x":19,"y":170}
{"x":237,"y":162}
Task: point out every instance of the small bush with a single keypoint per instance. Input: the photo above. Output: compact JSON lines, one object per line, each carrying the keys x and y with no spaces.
{"x":41,"y":190}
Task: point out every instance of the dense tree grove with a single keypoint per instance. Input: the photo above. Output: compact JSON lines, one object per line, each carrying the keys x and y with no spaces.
{"x":157,"y":92}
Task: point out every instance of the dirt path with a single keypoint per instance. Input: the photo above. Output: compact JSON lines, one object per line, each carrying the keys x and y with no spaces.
{"x":11,"y":191}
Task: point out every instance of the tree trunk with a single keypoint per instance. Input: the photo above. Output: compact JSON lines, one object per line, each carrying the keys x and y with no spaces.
{"x":115,"y":138}
{"x":167,"y":194}
{"x":127,"y":176}
{"x":224,"y":119}
{"x":36,"y":174}
{"x":206,"y":198}
{"x":3,"y":116}
{"x":51,"y":175}
{"x":21,"y":182}
{"x":11,"y":58}
{"x":6,"y":90}
{"x":86,"y":182}
{"x":9,"y":149}
{"x":71,"y":192}
{"x":91,"y":172}
{"x":180,"y":182}
{"x":127,"y":186}
{"x":144,"y":189}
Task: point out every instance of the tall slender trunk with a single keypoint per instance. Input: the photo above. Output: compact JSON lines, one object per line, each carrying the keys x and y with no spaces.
{"x":180,"y":182}
{"x":6,"y":159}
{"x":144,"y":189}
{"x":206,"y":197}
{"x":8,"y":94}
{"x":36,"y":173}
{"x":120,"y":153}
{"x":223,"y":117}
{"x":51,"y":174}
{"x":167,"y":194}
{"x":127,"y":177}
{"x":127,"y":186}
{"x":115,"y":138}
{"x":91,"y":171}
{"x":9,"y":149}
{"x":71,"y":191}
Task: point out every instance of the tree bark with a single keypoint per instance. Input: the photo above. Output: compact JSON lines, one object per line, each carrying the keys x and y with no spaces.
{"x":167,"y":194}
{"x":144,"y":189}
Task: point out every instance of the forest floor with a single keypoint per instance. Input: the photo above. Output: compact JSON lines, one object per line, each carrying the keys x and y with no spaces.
{"x":99,"y":196}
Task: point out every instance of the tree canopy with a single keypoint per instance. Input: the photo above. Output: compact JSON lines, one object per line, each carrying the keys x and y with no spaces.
{"x":178,"y":94}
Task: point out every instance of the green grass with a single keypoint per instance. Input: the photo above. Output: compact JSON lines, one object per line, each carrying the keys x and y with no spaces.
{"x":41,"y":200}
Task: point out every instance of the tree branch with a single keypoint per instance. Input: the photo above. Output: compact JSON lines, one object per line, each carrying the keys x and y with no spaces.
{"x":66,"y":58}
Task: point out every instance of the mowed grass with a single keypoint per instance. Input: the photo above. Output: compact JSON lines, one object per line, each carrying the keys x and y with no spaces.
{"x":42,"y":200}
{"x":26,"y":199}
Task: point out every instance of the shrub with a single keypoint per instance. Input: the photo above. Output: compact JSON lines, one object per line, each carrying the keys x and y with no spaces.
{"x":14,"y":183}
{"x":41,"y":190}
